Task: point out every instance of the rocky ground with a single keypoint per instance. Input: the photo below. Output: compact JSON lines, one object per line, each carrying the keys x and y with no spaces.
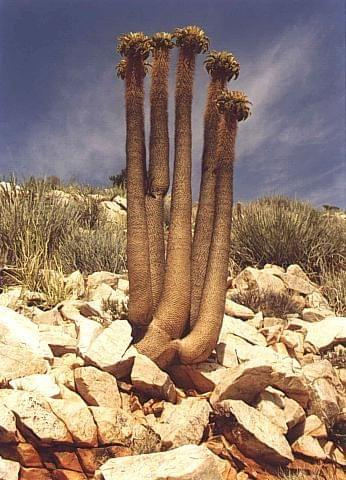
{"x":77,"y":401}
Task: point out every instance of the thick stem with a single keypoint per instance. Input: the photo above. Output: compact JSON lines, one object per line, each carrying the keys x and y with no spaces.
{"x":206,"y":205}
{"x":140,"y":305}
{"x":198,"y":345}
{"x":158,"y":170}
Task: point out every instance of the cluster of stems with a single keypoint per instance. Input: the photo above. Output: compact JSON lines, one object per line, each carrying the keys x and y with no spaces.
{"x":178,"y":287}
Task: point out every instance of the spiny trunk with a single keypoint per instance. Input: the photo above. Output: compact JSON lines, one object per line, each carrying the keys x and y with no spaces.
{"x":174,"y":307}
{"x":206,"y":205}
{"x":140,"y":306}
{"x":198,"y":345}
{"x":158,"y":170}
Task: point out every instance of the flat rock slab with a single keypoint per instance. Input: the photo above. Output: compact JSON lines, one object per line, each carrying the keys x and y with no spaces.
{"x":117,"y":427}
{"x":245,"y":381}
{"x":252,"y":279}
{"x":110,"y":345}
{"x":9,"y":470}
{"x":190,"y":462}
{"x":97,"y":388}
{"x":309,"y":447}
{"x":233,"y":309}
{"x":182,"y":424}
{"x":202,"y":377}
{"x":8,"y":428}
{"x":34,"y":412}
{"x":326,"y":332}
{"x":17,"y":361}
{"x":18,"y":329}
{"x":258,"y":437}
{"x":234,"y":326}
{"x":39,"y":383}
{"x":146,"y":377}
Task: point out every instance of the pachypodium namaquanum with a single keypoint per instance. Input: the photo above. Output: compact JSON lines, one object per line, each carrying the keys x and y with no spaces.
{"x":178,"y":288}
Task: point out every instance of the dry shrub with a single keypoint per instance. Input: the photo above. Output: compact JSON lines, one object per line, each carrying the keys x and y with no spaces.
{"x":334,"y":289}
{"x":283,"y":231}
{"x":271,"y":304}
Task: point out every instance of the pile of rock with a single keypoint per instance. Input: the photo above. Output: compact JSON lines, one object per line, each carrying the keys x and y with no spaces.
{"x":77,"y":401}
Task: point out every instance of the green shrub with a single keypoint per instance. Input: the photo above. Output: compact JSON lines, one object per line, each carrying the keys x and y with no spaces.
{"x":284,"y":231}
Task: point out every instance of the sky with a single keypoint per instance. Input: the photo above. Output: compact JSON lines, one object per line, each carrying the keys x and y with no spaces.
{"x":62,"y":107}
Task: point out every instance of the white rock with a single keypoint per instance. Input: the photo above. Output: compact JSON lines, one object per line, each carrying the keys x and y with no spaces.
{"x":123,"y":285}
{"x":11,"y":298}
{"x":97,"y":278}
{"x":78,"y":420}
{"x":316,"y":300}
{"x":146,"y":377}
{"x":38,"y":383}
{"x":314,"y":427}
{"x":8,"y":429}
{"x":233,"y":309}
{"x":273,"y":413}
{"x":184,"y":423}
{"x":190,"y":462}
{"x":9,"y":470}
{"x":241,"y":329}
{"x":35,"y":413}
{"x":294,"y":413}
{"x":202,"y":377}
{"x":317,"y":314}
{"x":97,"y":388}
{"x":115,"y":426}
{"x":309,"y":447}
{"x":297,"y":284}
{"x":261,"y":438}
{"x":19,"y":329}
{"x":110,"y":345}
{"x":61,"y":338}
{"x":251,"y":278}
{"x":74,"y":284}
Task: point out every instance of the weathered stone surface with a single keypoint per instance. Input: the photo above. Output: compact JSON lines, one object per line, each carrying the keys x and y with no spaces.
{"x":17,"y":361}
{"x":256,"y":321}
{"x":67,"y":460}
{"x":35,"y":474}
{"x":297,"y":284}
{"x":234,"y":326}
{"x":61,"y":338}
{"x":260,"y":438}
{"x":316,"y":314}
{"x":74,"y":284}
{"x":273,"y":413}
{"x":147,"y":378}
{"x":93,"y":458}
{"x":293,"y":340}
{"x":233,"y":350}
{"x":78,"y":420}
{"x":335,"y":454}
{"x":251,"y":278}
{"x":97,"y":278}
{"x":110,"y":345}
{"x":18,"y":329}
{"x":123,"y":285}
{"x":68,"y":475}
{"x":323,"y":384}
{"x":9,"y":470}
{"x":63,"y":376}
{"x":116,"y":427}
{"x":293,"y":412}
{"x":50,"y":317}
{"x":87,"y":329}
{"x":202,"y":377}
{"x":182,"y":424}
{"x":245,"y":381}
{"x":8,"y":429}
{"x":97,"y":388}
{"x":326,"y":332}
{"x":38,"y":383}
{"x":314,"y":427}
{"x":309,"y":447}
{"x":316,"y":300}
{"x":233,"y":309}
{"x":190,"y":462}
{"x":28,"y":455}
{"x":35,"y":413}
{"x":11,"y":298}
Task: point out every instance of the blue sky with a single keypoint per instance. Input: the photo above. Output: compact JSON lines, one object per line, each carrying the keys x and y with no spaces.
{"x":62,"y":107}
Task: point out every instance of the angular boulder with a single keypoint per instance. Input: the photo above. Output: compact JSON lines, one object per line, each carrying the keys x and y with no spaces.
{"x":97,"y":388}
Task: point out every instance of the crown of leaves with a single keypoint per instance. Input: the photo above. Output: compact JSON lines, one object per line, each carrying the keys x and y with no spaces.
{"x":234,"y":102}
{"x":222,"y":64}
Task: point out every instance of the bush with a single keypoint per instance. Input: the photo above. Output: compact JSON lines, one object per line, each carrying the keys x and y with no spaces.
{"x":284,"y":231}
{"x":271,"y":304}
{"x":334,"y":289}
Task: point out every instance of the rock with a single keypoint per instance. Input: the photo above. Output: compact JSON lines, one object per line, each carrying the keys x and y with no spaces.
{"x":78,"y":419}
{"x":19,"y":329}
{"x":309,"y":447}
{"x":8,"y":428}
{"x":326,"y":332}
{"x":34,"y":474}
{"x":256,"y":321}
{"x":115,"y":426}
{"x":202,"y":377}
{"x":314,"y":427}
{"x":272,"y":334}
{"x":122,"y":201}
{"x":96,"y":278}
{"x":297,"y":284}
{"x":61,"y":338}
{"x":97,"y":388}
{"x":16,"y":361}
{"x":74,"y":284}
{"x":335,"y":454}
{"x":190,"y":462}
{"x":273,"y":413}
{"x":254,"y":434}
{"x":11,"y":298}
{"x":293,"y":340}
{"x":316,"y":300}
{"x":234,"y":326}
{"x":273,"y":269}
{"x":182,"y":424}
{"x":297,"y":271}
{"x":253,"y":279}
{"x":316,"y":314}
{"x":147,"y":378}
{"x":28,"y":455}
{"x":323,"y":384}
{"x":294,"y":413}
{"x":273,"y":321}
{"x":245,"y":381}
{"x":110,"y":345}
{"x":63,"y":376}
{"x":67,"y":460}
{"x":38,"y":383}
{"x":123,"y":285}
{"x":68,"y":475}
{"x":34,"y":413}
{"x":93,"y":458}
{"x":9,"y":470}
{"x":233,"y":309}
{"x":50,"y":317}
{"x":112,"y":211}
